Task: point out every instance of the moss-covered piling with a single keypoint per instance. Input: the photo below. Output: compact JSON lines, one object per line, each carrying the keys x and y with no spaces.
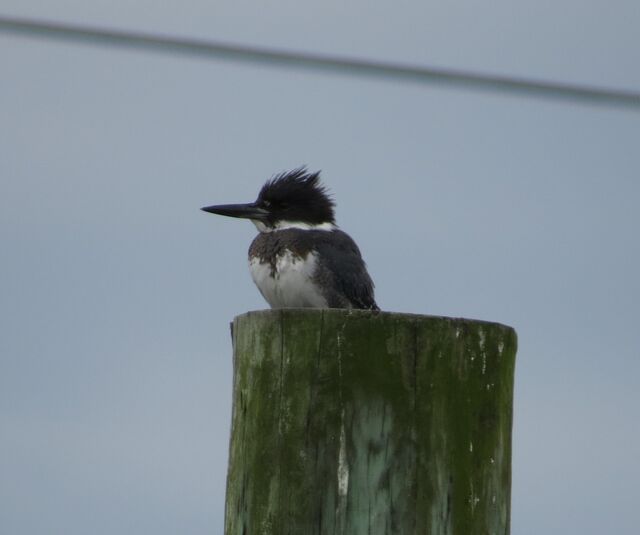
{"x":359,"y":422}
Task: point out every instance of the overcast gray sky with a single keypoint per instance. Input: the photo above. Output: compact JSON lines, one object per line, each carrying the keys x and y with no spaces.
{"x":116,"y":292}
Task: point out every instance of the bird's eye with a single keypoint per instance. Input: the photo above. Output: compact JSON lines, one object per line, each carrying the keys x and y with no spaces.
{"x":266,"y":204}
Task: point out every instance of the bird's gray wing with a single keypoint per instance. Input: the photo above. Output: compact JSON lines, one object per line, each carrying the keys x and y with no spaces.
{"x":341,"y":267}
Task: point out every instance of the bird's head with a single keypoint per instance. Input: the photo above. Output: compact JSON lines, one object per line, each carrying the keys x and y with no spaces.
{"x":292,"y":199}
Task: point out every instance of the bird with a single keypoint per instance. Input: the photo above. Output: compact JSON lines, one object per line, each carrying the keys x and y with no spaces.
{"x":300,"y":258}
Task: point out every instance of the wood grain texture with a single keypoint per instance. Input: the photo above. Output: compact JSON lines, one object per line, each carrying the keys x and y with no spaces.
{"x":359,"y":422}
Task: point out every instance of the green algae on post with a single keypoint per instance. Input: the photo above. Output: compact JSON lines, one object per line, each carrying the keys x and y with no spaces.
{"x":357,"y":422}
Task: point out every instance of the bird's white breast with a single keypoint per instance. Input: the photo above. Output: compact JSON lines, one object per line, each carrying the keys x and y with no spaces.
{"x":290,"y":284}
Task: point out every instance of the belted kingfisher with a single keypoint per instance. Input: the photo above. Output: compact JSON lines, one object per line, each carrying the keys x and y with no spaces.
{"x":301,"y":258}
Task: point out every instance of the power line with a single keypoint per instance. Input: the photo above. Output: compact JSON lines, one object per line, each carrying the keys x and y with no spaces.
{"x":318,"y":62}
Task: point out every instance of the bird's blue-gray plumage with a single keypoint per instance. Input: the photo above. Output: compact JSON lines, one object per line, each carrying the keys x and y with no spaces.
{"x":300,"y":258}
{"x":340,"y":274}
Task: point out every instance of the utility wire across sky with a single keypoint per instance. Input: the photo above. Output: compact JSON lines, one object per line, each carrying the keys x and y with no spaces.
{"x":318,"y":62}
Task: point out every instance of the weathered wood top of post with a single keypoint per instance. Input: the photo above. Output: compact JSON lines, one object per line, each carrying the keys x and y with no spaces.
{"x":359,"y":422}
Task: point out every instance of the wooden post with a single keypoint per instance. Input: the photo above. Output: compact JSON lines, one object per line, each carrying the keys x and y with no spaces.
{"x":359,"y":422}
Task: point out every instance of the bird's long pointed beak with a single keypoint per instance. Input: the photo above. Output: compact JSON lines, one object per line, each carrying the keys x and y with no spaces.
{"x":245,"y":211}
